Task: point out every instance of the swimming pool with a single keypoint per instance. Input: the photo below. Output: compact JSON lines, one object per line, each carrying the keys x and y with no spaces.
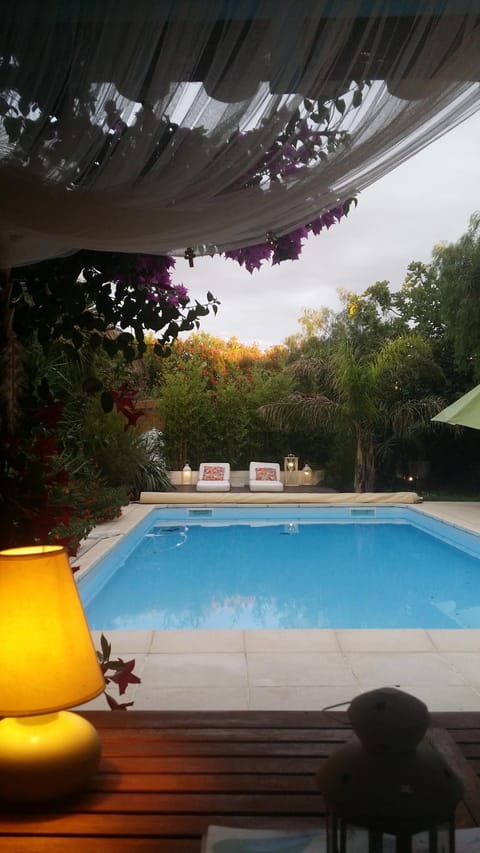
{"x":287,"y":567}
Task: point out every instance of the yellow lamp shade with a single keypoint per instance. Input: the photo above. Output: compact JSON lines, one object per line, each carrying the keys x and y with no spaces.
{"x":47,"y":658}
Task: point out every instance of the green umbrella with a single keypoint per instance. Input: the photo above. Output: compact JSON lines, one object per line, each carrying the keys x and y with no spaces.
{"x":464,"y":411}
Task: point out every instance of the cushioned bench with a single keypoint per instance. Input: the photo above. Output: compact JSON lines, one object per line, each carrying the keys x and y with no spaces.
{"x":264,"y":477}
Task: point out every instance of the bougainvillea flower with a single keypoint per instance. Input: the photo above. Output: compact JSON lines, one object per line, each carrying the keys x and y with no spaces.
{"x":252,"y":256}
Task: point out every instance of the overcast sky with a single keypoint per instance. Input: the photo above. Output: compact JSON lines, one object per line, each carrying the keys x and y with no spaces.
{"x":427,"y":200}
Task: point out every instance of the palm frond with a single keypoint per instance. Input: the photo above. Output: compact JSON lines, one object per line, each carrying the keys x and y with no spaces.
{"x":308,"y":367}
{"x":411,"y":416}
{"x":306,"y":410}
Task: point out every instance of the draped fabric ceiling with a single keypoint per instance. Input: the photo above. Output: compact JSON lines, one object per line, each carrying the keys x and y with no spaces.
{"x":150,"y":126}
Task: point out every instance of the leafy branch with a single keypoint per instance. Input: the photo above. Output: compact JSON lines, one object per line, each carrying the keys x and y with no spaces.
{"x":118,"y":672}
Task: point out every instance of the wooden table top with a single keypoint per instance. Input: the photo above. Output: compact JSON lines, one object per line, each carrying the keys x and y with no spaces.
{"x":165,"y":776}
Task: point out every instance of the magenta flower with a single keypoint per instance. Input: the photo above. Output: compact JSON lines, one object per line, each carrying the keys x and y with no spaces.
{"x":252,"y":256}
{"x":289,"y":246}
{"x":181,"y":291}
{"x":171,"y":299}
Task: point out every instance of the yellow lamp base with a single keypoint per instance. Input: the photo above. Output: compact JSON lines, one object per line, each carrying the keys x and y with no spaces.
{"x":46,"y":756}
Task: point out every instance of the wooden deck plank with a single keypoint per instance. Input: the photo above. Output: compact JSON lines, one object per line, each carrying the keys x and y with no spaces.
{"x":295,"y":782}
{"x":445,"y":744}
{"x":181,"y":802}
{"x":147,"y":825}
{"x":208,"y":764}
{"x":254,"y":749}
{"x":231,"y":734}
{"x":67,"y":844}
{"x":190,"y":720}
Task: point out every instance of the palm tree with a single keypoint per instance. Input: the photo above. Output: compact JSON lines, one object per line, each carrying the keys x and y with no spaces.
{"x":371,"y":396}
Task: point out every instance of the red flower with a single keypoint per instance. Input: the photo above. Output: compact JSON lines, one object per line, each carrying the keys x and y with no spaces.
{"x":51,"y":413}
{"x":46,"y":446}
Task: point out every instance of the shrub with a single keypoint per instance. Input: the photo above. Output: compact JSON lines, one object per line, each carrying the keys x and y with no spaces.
{"x":152,"y":474}
{"x":86,"y":502}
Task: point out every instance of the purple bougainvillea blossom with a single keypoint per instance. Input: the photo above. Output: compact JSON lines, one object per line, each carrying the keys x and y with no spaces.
{"x":150,"y":274}
{"x":252,"y":256}
{"x":181,"y":291}
{"x":289,"y":246}
{"x":331,"y":217}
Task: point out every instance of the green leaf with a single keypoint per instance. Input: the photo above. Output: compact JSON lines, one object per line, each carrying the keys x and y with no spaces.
{"x":106,"y":648}
{"x":91,"y":385}
{"x":357,"y":98}
{"x":106,"y":401}
{"x":77,"y":338}
{"x":340,"y":105}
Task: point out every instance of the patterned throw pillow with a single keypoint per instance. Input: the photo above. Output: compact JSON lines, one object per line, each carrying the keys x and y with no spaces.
{"x":265,"y":474}
{"x":213,"y":472}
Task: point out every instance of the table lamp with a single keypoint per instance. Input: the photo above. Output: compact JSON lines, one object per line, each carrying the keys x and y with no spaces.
{"x":47,"y":663}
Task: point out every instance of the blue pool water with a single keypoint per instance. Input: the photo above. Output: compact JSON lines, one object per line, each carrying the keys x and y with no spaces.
{"x":334,"y":567}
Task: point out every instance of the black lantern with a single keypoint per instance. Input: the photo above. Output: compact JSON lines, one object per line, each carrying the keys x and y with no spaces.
{"x":389,"y":789}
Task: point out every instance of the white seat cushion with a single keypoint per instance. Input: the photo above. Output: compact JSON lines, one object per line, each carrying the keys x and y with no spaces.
{"x":213,"y":486}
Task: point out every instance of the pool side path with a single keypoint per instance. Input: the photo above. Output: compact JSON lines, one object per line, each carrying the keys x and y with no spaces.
{"x":291,"y":669}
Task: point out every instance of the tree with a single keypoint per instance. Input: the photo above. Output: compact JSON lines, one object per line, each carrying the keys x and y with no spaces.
{"x":220,"y":384}
{"x":457,"y":267}
{"x":368,"y":319}
{"x":186,"y":413}
{"x":419,"y":301}
{"x":367,"y":396}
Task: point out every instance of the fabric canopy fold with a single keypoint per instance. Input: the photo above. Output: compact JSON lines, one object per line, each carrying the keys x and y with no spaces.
{"x":212,"y":124}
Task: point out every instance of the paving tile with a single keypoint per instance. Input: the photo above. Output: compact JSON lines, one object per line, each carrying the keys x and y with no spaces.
{"x":467,"y":664}
{"x":125,"y":642}
{"x":193,"y":642}
{"x":445,"y":697}
{"x":302,"y":640}
{"x":462,"y":513}
{"x":376,"y":640}
{"x":289,"y":669}
{"x":306,"y":698}
{"x":195,"y":670}
{"x":394,"y":670}
{"x":466,"y":640}
{"x":192,"y":699}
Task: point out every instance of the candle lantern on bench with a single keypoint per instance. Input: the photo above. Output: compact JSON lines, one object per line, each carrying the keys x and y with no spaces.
{"x":290,"y":465}
{"x":389,"y":789}
{"x":307,"y":475}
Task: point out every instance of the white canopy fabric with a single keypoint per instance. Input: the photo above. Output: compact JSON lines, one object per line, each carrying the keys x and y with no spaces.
{"x":156,"y":127}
